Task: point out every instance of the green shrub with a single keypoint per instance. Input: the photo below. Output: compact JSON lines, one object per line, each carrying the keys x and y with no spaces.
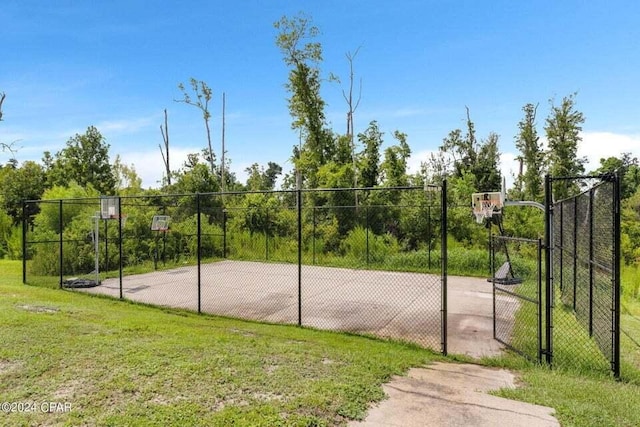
{"x":364,"y":246}
{"x":630,"y":279}
{"x":13,"y":240}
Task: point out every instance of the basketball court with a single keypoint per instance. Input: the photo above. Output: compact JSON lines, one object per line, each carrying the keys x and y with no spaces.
{"x":396,"y":305}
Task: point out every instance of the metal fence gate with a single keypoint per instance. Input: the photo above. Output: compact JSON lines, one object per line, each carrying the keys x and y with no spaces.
{"x":517,"y":272}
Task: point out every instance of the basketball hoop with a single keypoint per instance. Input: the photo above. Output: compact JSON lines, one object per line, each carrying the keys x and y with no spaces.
{"x":160,"y":223}
{"x":485,"y":205}
{"x":484,"y":212}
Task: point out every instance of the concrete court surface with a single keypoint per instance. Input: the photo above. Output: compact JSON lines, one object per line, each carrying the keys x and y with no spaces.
{"x":383,"y":303}
{"x":448,"y":394}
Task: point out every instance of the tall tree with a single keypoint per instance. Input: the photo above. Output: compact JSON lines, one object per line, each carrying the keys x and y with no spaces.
{"x":627,"y":167}
{"x":487,"y":167}
{"x":84,"y":160}
{"x":481,"y":160}
{"x":463,"y":149}
{"x":195,"y":177}
{"x":261,"y":179}
{"x":563,"y":128}
{"x":369,"y":167}
{"x":127,"y":179}
{"x":435,"y":169}
{"x":353,"y":106}
{"x":203,"y":95}
{"x":394,"y":165}
{"x":528,"y":142}
{"x":303,"y":55}
{"x":20,"y":183}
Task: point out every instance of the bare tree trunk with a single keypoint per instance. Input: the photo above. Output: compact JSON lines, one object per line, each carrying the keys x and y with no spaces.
{"x":211,"y":161}
{"x":2,"y":97}
{"x":165,"y":153}
{"x":350,"y":126}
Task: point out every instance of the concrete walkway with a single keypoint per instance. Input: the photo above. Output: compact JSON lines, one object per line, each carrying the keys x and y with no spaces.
{"x":447,"y":394}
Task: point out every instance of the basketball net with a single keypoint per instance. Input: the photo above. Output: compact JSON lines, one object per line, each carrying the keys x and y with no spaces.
{"x":485,"y":211}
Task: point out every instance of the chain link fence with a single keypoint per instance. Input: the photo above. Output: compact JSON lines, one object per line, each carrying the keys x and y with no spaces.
{"x":585,"y":277}
{"x":360,"y":260}
{"x":517,"y":273}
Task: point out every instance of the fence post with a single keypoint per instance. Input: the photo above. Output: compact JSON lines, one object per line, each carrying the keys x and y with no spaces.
{"x":61,"y":247}
{"x":591,"y":276}
{"x":164,"y":241}
{"x":106,"y":244}
{"x":366,"y":221}
{"x":24,"y":242}
{"x":548,"y":268}
{"x":314,"y":235}
{"x":266,"y":236}
{"x":540,"y":350}
{"x":616,"y":275}
{"x":490,"y":242}
{"x":492,"y":272}
{"x":224,"y":233}
{"x":443,"y":265}
{"x":299,"y":208}
{"x":575,"y":252}
{"x":561,"y":268}
{"x":199,"y":250}
{"x":429,"y":236}
{"x":120,"y":264}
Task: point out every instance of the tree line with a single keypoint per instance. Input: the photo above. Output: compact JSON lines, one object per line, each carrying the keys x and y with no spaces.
{"x":326,"y":158}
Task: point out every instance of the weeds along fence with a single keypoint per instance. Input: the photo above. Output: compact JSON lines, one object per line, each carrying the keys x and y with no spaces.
{"x":283,"y":238}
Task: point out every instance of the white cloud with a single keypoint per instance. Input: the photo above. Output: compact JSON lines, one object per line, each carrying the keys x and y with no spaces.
{"x":415,"y":161}
{"x":594,"y":146}
{"x":150,"y":167}
{"x":510,"y":168}
{"x":601,"y":145}
{"x":126,"y":126}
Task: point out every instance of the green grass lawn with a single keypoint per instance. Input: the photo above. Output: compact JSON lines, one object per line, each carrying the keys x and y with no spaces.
{"x":120,"y":363}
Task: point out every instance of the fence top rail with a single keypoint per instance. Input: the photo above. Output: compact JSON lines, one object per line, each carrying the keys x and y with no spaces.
{"x":79,"y":201}
{"x":579,"y":195}
{"x":604,"y":179}
{"x":241,"y":193}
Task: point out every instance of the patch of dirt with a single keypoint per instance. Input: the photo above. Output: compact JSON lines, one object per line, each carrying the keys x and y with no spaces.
{"x":270,"y":369}
{"x":267,"y":397}
{"x":163,"y":400}
{"x":39,"y":308}
{"x":243,"y":333}
{"x":67,"y":390}
{"x":220,"y":405}
{"x":6,"y":366}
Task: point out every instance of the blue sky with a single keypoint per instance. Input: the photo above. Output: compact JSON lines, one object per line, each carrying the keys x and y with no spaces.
{"x":67,"y":65}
